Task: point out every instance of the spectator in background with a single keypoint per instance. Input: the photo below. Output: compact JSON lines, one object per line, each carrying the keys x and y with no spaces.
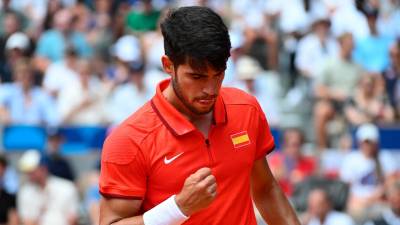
{"x":5,"y":11}
{"x":372,"y":51}
{"x":17,"y":47}
{"x":44,"y":199}
{"x":61,"y":74}
{"x":53,"y":43}
{"x":143,"y":17}
{"x":8,"y":212}
{"x":367,"y":104}
{"x":126,"y":51}
{"x":334,"y":86}
{"x":98,"y":28}
{"x":392,"y":78}
{"x":315,"y":48}
{"x":391,"y":214}
{"x":249,"y":16}
{"x":252,"y":79}
{"x":24,"y":103}
{"x":83,"y":102}
{"x":367,"y":170}
{"x":129,"y":97}
{"x":290,"y":166}
{"x":10,"y":24}
{"x":320,"y":211}
{"x":56,"y":163}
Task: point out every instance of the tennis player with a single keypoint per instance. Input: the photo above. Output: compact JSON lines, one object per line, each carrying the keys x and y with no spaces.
{"x":195,"y":153}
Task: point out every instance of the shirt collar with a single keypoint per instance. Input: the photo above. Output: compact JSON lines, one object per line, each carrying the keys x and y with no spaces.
{"x":173,"y":119}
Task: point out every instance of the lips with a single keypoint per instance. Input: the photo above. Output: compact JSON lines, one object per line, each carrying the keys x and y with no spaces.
{"x":206,"y":101}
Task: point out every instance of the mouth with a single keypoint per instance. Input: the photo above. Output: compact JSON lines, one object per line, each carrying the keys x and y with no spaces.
{"x":206,"y":102}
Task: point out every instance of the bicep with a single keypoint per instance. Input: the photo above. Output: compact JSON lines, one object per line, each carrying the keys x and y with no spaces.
{"x":116,"y":209}
{"x":261,"y":176}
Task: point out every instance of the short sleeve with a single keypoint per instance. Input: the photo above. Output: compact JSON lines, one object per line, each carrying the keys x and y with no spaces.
{"x":123,"y":171}
{"x":265,"y":140}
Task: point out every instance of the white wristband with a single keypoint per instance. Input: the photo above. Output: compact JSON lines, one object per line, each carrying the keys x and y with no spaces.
{"x":165,"y":213}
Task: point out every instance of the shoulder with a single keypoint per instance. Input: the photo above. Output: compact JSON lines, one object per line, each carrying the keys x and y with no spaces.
{"x":124,"y":142}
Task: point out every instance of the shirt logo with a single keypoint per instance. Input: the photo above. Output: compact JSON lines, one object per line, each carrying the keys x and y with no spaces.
{"x":168,"y":161}
{"x":240,"y":139}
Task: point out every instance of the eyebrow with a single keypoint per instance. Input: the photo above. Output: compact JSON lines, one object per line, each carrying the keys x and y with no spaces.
{"x":202,"y":74}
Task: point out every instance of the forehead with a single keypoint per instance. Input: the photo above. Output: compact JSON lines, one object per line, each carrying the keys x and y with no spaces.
{"x":207,"y":69}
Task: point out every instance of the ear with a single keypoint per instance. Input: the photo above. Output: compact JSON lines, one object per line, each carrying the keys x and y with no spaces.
{"x":167,"y":65}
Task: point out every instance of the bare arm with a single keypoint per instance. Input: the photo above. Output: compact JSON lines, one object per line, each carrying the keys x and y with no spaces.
{"x":12,"y":217}
{"x":268,"y":197}
{"x":118,"y":211}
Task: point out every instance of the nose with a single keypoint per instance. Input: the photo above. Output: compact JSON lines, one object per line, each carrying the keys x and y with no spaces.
{"x":211,"y":87}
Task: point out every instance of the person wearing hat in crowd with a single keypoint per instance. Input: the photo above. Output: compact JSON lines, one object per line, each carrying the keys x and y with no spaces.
{"x":315,"y":48}
{"x":255,"y":81}
{"x":16,"y":47}
{"x":57,"y":164}
{"x":45,"y":199}
{"x":367,"y":170}
{"x":8,"y":212}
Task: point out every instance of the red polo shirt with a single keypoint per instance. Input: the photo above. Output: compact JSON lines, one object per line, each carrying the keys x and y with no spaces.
{"x":150,"y":155}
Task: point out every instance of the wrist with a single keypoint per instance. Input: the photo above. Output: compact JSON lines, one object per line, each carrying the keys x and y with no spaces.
{"x":182,"y":208}
{"x":165,"y":213}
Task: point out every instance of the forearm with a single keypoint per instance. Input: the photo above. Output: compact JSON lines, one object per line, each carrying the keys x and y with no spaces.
{"x":278,"y":213}
{"x":136,"y":220}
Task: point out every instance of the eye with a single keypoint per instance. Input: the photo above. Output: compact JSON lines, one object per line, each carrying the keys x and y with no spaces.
{"x":196,"y":77}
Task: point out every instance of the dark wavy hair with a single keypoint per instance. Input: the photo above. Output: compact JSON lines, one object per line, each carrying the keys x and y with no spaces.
{"x":198,"y":36}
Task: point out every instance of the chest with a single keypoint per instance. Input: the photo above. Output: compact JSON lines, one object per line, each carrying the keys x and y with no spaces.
{"x":229,"y":150}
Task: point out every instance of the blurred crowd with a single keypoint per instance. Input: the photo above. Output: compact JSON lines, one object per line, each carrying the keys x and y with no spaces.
{"x":319,"y":68}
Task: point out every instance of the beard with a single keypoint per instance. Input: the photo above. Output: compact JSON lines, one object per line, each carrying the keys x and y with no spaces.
{"x":179,"y":93}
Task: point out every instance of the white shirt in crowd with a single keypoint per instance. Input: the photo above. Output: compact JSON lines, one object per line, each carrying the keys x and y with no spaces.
{"x":59,"y":76}
{"x":54,"y":204}
{"x":311,"y":54}
{"x":333,"y":218}
{"x":359,"y":171}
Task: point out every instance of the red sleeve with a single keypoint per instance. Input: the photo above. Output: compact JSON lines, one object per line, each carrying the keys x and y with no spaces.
{"x":123,"y":171}
{"x":265,"y":140}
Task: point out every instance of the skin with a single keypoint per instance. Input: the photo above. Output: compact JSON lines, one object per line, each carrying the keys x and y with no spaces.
{"x":318,"y":206}
{"x":193,"y":93}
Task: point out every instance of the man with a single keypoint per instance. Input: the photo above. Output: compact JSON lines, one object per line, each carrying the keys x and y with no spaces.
{"x":195,"y":153}
{"x":44,"y":199}
{"x":334,"y":86}
{"x":391,"y":215}
{"x":320,"y":211}
{"x":57,"y":164}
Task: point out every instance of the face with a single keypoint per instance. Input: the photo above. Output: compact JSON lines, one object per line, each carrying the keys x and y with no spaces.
{"x":318,"y":203}
{"x":347,"y":44}
{"x":369,"y":148}
{"x":196,"y":90}
{"x":38,"y":175}
{"x":293,"y":142}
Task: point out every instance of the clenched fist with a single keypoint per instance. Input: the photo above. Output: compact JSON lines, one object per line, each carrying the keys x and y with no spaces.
{"x":198,"y":192}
